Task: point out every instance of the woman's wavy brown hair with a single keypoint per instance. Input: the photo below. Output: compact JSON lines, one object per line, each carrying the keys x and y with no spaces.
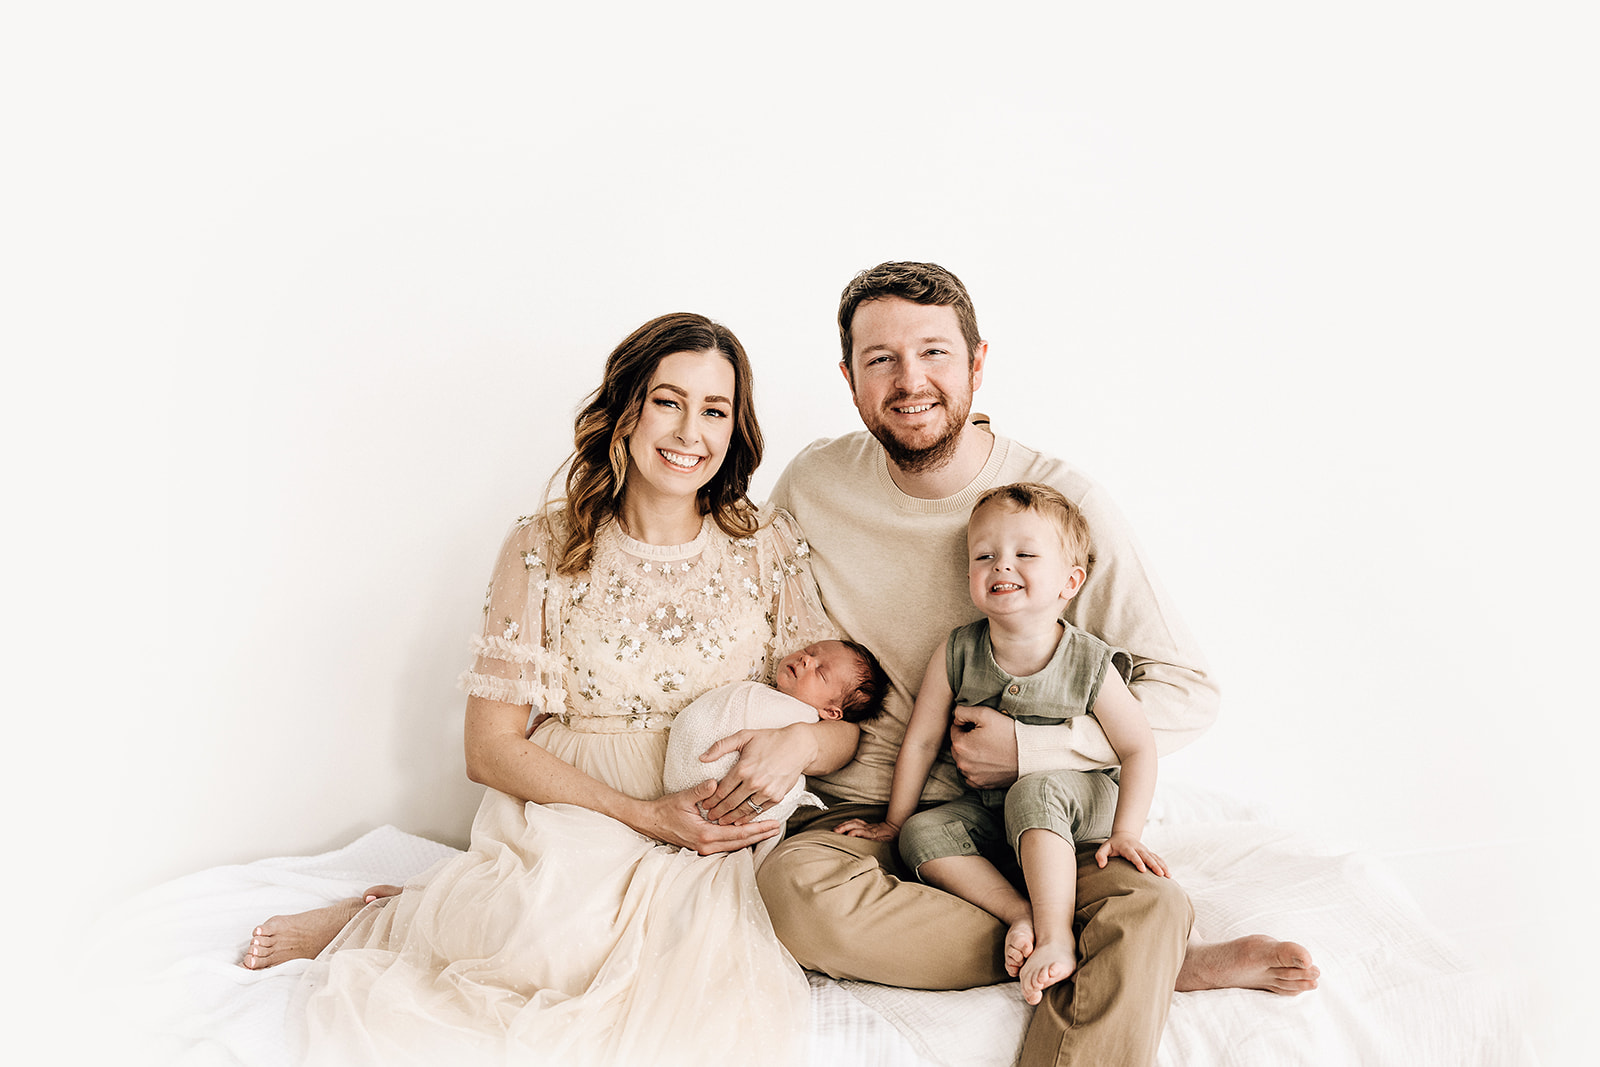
{"x":599,"y":462}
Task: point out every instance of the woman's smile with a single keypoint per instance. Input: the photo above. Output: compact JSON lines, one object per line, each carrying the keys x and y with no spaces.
{"x":680,"y":459}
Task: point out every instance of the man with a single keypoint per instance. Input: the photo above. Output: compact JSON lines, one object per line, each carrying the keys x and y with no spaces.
{"x":885,"y":512}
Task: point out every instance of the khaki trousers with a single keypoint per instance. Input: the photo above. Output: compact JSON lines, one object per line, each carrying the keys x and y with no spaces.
{"x":842,"y":907}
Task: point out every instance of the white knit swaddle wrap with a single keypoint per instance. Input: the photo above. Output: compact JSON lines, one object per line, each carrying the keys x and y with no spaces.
{"x":727,"y":710}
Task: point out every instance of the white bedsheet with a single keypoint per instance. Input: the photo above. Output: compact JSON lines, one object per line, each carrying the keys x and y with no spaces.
{"x":1392,"y":992}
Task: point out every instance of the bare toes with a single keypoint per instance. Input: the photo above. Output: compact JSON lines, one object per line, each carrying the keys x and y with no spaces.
{"x":1290,"y":987}
{"x":1289,"y":954}
{"x":293,"y":937}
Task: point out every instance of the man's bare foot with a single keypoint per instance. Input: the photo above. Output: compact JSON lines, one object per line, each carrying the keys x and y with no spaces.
{"x":1254,"y":962}
{"x":1049,"y":964}
{"x":300,"y":937}
{"x":1019,"y":945}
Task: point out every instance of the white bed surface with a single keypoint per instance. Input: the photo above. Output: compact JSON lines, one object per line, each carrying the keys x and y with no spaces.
{"x":1393,"y":990}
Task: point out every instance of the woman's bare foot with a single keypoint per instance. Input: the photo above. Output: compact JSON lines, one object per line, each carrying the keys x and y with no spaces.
{"x":1049,"y":964}
{"x":300,"y":937}
{"x":1254,"y":962}
{"x":1019,"y":945}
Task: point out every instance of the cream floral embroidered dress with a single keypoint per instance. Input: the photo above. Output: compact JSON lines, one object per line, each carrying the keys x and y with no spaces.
{"x":562,"y":936}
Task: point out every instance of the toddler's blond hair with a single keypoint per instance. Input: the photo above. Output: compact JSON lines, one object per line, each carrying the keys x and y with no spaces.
{"x":1062,"y":513}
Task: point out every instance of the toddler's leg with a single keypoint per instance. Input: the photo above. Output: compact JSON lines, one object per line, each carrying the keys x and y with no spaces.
{"x":977,"y":881}
{"x":1050,"y":866}
{"x":950,"y":847}
{"x":1046,"y":814}
{"x":1132,"y":929}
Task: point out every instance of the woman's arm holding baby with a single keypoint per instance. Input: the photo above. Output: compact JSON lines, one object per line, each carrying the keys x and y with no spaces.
{"x":499,"y":756}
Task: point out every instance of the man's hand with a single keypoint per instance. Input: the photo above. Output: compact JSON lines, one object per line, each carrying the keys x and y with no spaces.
{"x":984,"y":744}
{"x":676,"y":820}
{"x":770,"y":762}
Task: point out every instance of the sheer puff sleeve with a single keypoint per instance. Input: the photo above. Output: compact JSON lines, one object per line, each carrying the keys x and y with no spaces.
{"x":518,"y":654}
{"x":798,"y":617}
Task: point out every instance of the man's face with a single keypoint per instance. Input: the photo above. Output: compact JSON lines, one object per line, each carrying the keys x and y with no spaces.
{"x":912,"y":380}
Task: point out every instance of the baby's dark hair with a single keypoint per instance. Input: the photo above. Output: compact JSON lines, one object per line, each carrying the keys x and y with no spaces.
{"x":865,"y":701}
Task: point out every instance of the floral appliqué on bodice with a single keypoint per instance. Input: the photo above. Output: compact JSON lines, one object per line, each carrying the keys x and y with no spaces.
{"x":648,"y":628}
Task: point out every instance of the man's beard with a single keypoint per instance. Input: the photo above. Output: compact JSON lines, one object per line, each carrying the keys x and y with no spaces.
{"x":930,"y":457}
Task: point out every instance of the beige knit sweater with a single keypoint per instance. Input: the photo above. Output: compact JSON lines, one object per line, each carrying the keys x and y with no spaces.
{"x":893,"y":573}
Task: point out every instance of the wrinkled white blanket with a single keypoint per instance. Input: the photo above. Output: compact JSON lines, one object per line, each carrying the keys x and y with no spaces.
{"x":1393,"y":992}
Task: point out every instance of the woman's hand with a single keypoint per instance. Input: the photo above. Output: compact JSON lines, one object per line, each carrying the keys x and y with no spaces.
{"x":770,"y":762}
{"x":1131,"y":849}
{"x":676,"y":820}
{"x":872,"y":831}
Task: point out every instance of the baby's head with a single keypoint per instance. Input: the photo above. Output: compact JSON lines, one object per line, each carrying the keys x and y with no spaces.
{"x":841,"y":679}
{"x":1026,"y":544}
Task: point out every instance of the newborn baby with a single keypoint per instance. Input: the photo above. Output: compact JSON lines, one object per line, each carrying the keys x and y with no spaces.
{"x":826,"y":680}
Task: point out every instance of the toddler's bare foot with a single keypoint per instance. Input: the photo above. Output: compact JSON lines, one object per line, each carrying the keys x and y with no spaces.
{"x":298,"y":937}
{"x":1019,"y":945}
{"x":1253,"y":962}
{"x":1049,"y":964}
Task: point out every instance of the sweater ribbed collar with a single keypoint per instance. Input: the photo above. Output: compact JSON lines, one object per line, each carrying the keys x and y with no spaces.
{"x":961,"y":501}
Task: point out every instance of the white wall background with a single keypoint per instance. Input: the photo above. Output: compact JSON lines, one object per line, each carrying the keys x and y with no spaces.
{"x":304,"y":298}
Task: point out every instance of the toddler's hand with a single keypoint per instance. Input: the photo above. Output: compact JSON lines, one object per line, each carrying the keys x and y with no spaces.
{"x":872,"y":831}
{"x":1131,"y":849}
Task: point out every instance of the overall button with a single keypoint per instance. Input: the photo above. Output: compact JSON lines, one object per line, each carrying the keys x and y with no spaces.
{"x":1014,"y":690}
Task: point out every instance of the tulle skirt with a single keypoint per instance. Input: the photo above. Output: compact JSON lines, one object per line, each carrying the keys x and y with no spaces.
{"x":561,"y":936}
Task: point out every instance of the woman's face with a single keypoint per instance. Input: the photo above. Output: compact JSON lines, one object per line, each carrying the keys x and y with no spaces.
{"x":684,"y":428}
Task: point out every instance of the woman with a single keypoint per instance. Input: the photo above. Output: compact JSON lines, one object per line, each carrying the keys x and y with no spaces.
{"x":567,"y":933}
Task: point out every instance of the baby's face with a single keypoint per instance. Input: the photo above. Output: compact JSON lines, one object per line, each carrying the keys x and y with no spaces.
{"x":820,"y":675}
